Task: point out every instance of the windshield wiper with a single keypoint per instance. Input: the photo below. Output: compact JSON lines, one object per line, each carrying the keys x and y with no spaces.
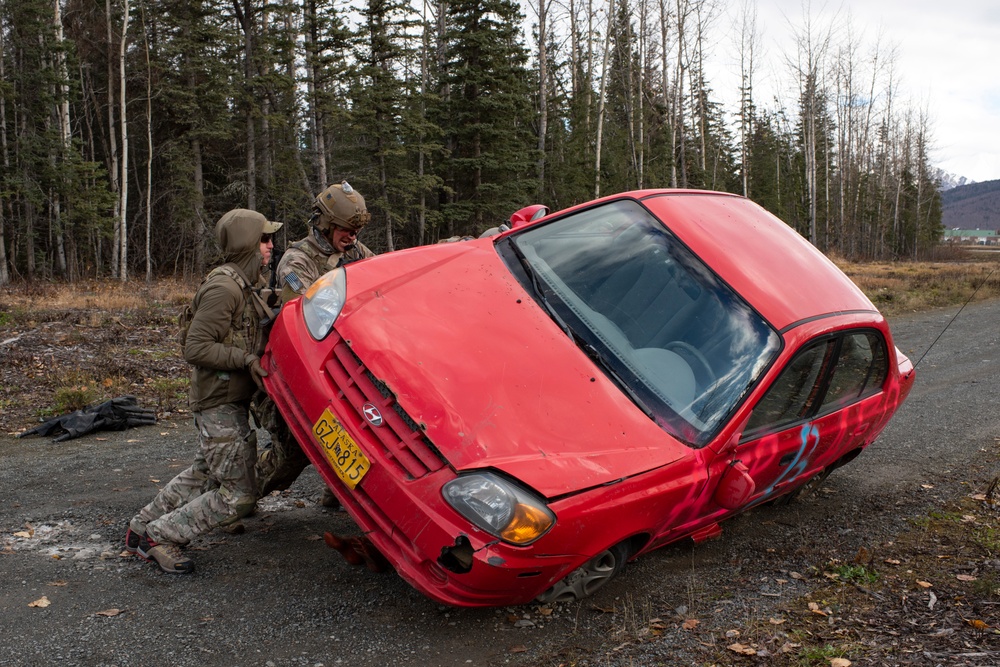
{"x":594,"y":355}
{"x":536,"y":286}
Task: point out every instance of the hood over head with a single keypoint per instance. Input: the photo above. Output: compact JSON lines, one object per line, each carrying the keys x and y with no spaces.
{"x":238,"y":233}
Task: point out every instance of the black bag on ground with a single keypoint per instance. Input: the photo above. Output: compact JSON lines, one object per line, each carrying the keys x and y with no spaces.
{"x":116,"y":414}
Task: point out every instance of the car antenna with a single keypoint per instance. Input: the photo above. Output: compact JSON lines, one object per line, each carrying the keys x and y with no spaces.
{"x":954,"y":317}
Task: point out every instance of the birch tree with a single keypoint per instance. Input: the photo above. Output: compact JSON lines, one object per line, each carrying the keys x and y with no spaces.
{"x":123,"y":118}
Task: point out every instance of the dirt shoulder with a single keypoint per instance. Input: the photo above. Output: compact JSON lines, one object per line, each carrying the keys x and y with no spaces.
{"x":895,"y":561}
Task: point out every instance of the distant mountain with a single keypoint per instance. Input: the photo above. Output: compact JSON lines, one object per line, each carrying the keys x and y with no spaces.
{"x":975,"y":206}
{"x":949,"y":181}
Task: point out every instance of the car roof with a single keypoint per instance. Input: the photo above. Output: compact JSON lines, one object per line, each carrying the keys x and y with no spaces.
{"x":783,"y":276}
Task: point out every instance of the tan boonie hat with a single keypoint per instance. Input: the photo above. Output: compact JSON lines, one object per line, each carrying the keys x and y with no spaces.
{"x":343,"y":206}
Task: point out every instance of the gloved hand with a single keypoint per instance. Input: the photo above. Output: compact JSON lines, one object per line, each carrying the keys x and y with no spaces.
{"x":116,"y":414}
{"x":257,"y":371}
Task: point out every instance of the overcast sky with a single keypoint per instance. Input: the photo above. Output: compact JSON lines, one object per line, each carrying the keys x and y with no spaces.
{"x":948,"y":62}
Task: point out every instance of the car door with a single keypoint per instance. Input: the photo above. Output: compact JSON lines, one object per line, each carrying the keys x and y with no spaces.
{"x":814,"y":412}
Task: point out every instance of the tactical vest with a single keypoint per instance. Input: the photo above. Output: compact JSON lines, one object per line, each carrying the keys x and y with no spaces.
{"x":247,"y":335}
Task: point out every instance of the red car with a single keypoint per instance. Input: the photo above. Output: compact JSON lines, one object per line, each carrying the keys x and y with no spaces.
{"x":514,"y":417}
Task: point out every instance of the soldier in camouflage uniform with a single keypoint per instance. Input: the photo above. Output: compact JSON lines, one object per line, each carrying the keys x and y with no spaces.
{"x":223,"y":344}
{"x":339,"y":214}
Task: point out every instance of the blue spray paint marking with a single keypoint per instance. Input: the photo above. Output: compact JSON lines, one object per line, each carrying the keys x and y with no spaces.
{"x":801,"y":460}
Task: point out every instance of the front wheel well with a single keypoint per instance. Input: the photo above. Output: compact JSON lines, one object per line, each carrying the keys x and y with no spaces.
{"x":594,"y":574}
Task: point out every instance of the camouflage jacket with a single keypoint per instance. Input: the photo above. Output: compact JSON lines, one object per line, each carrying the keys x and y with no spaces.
{"x":308,"y":261}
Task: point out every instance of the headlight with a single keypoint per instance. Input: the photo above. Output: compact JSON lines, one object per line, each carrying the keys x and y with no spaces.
{"x":499,"y":507}
{"x":323,"y":302}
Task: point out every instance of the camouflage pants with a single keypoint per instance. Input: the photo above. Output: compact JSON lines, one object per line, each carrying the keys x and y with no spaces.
{"x":279,"y":464}
{"x":218,"y":488}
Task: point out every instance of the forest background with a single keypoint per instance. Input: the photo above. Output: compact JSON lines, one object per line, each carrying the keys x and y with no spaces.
{"x":127,"y":127}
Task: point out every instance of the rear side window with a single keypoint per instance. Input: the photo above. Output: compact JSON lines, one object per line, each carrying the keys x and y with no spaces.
{"x":823,"y":377}
{"x":860,"y":370}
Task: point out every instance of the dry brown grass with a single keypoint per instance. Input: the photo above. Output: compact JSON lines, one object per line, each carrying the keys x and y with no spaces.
{"x":107,"y":295}
{"x":894,"y":288}
{"x":905,"y":287}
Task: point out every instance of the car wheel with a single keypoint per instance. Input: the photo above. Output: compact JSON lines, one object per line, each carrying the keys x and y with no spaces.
{"x":806,"y":490}
{"x":589,"y":577}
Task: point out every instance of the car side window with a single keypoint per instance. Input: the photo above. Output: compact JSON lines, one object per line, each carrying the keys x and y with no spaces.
{"x":793,"y":395}
{"x":860,"y":370}
{"x":835,"y":371}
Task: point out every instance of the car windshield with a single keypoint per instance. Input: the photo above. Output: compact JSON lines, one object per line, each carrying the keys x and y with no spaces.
{"x":679,"y":342}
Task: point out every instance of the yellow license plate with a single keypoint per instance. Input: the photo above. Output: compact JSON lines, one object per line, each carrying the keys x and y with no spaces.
{"x":347,"y":459}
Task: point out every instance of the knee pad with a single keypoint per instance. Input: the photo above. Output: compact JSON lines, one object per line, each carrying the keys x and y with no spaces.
{"x":243,"y":506}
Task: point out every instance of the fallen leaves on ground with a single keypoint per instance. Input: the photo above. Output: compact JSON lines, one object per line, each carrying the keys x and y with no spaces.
{"x":28,"y":532}
{"x":109,"y":612}
{"x":742,"y":649}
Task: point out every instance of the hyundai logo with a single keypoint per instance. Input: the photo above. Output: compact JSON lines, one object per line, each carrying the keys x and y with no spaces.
{"x":372,"y":415}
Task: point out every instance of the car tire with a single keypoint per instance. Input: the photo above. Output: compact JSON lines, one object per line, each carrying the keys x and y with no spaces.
{"x":805,"y":490}
{"x":590,"y":577}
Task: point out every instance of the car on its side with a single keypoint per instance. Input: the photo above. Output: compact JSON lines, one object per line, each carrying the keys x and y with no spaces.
{"x":515,"y":417}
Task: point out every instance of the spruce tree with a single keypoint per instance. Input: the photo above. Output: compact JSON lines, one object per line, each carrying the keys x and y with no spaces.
{"x":487,"y":120}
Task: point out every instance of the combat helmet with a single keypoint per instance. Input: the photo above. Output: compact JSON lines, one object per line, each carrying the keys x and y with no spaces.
{"x":340,"y":205}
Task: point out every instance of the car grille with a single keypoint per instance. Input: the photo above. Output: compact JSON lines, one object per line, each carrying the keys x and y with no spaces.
{"x":402,"y":441}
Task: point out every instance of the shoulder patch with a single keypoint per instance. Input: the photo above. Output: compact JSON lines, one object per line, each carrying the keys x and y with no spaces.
{"x":293,"y":281}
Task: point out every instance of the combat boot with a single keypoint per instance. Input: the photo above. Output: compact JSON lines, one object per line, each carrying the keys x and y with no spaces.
{"x":168,"y":556}
{"x":133,"y":536}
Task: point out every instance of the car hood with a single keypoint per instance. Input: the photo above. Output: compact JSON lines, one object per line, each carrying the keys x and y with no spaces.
{"x":492,"y":380}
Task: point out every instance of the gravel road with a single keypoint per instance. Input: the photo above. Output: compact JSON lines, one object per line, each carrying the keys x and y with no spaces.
{"x":276,"y":595}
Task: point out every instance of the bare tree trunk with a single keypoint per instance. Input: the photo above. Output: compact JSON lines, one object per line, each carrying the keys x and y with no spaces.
{"x":749,"y":41}
{"x":445,"y":93}
{"x":265,"y":114}
{"x":123,"y":118}
{"x":625,"y":55}
{"x":4,"y":200}
{"x":589,"y":83}
{"x":640,"y":106}
{"x":601,"y":100}
{"x":698,"y":91}
{"x":199,"y":209}
{"x":421,"y":154}
{"x":543,"y":95}
{"x":922,"y":139}
{"x":316,"y":111}
{"x":245,"y":17}
{"x":64,"y":132}
{"x":677,"y":141}
{"x":149,"y":150}
{"x":665,"y":85}
{"x":812,"y":54}
{"x":113,"y":171}
{"x":300,"y":168}
{"x":574,"y":52}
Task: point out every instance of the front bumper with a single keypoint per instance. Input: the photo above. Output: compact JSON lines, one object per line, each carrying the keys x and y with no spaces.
{"x":398,"y":505}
